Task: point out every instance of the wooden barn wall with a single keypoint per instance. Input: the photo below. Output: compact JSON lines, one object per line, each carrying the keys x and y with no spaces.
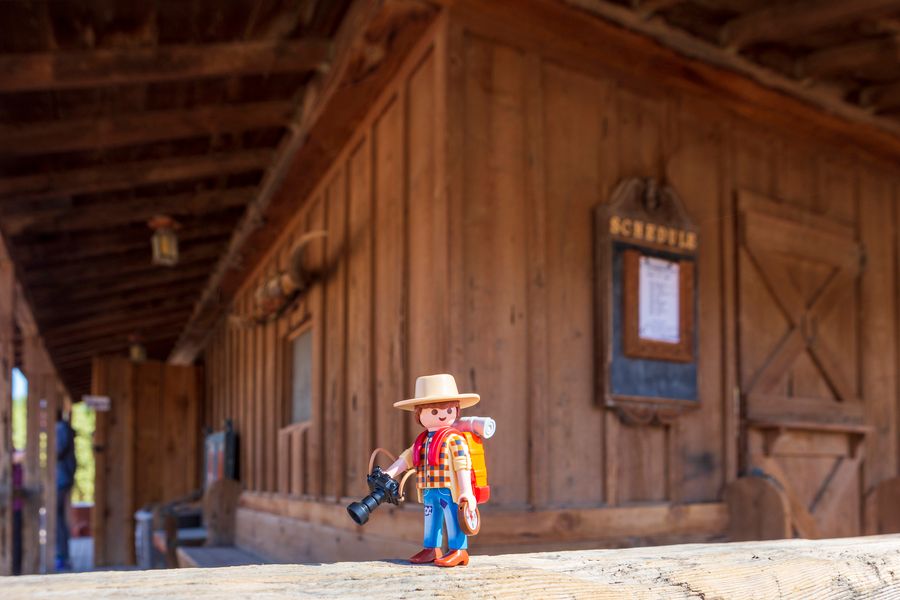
{"x":542,"y":137}
{"x":377,"y":313}
{"x":459,"y":239}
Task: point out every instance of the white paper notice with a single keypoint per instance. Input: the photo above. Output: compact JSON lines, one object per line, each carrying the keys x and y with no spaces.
{"x":659,"y":290}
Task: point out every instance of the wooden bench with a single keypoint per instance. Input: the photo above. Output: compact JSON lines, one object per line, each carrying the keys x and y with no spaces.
{"x":206,"y":557}
{"x":218,"y":508}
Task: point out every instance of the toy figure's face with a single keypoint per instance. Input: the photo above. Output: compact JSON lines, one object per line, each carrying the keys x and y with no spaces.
{"x":433,"y":418}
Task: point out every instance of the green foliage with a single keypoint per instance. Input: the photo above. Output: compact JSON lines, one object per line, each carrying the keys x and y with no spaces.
{"x":83,"y":424}
{"x":19,"y":427}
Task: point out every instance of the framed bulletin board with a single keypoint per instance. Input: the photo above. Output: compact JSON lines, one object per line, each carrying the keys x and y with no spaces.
{"x":646,"y":302}
{"x":658,"y":320}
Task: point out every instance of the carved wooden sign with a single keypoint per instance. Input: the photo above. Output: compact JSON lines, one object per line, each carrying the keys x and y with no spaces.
{"x":646,"y":302}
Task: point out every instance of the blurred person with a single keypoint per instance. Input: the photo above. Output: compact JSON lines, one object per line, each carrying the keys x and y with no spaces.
{"x":65,"y":479}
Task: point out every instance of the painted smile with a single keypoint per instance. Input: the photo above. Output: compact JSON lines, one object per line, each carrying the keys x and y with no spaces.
{"x":442,"y":418}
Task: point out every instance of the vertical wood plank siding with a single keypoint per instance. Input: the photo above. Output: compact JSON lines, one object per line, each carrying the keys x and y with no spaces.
{"x":460,"y":239}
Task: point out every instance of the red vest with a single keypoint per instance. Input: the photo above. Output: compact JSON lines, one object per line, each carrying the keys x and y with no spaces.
{"x":434,"y":448}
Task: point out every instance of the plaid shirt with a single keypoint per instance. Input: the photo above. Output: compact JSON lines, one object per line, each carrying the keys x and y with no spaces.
{"x":453,"y":455}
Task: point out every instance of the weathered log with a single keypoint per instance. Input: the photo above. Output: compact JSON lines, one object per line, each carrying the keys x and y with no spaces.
{"x":835,"y":568}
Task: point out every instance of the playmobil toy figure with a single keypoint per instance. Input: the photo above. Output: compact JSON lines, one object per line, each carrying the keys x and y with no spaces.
{"x":451,"y":477}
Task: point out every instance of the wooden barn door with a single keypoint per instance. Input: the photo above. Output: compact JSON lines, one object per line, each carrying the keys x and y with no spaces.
{"x":799,"y":351}
{"x":146,"y":447}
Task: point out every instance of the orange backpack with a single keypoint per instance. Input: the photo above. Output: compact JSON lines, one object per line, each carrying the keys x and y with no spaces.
{"x":480,"y":485}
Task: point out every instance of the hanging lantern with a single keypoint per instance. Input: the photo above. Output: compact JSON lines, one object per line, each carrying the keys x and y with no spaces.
{"x":164,"y":241}
{"x":136,"y":350}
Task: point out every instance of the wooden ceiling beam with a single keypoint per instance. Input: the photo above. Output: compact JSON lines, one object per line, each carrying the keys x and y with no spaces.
{"x":783,"y":21}
{"x":19,"y":219}
{"x":161,"y":327}
{"x":59,"y":302}
{"x":113,"y":324}
{"x":36,"y":253}
{"x":881,"y":98}
{"x":122,"y":66}
{"x":54,"y":315}
{"x":648,"y":8}
{"x":75,"y":290}
{"x":107,"y":178}
{"x":849,"y":57}
{"x":76,"y":352}
{"x":110,"y":270}
{"x":47,"y":137}
{"x":75,"y":294}
{"x":113,"y":334}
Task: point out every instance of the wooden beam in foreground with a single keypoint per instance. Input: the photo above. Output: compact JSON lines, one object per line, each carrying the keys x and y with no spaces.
{"x":850,"y":567}
{"x":45,"y":137}
{"x":780,"y":21}
{"x":129,"y":175}
{"x":121,"y":66}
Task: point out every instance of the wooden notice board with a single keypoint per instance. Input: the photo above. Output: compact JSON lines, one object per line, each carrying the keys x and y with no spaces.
{"x":646,"y":302}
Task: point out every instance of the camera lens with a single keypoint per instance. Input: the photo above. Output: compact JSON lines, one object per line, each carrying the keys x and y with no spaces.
{"x":358,"y":512}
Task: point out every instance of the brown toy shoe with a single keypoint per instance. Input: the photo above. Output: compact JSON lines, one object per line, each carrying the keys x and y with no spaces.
{"x":457,"y":557}
{"x":426,"y":555}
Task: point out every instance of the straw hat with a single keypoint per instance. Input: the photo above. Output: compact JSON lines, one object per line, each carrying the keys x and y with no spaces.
{"x":431,"y":389}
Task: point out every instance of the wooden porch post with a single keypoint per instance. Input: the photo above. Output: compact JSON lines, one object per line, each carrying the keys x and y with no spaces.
{"x":32,"y":368}
{"x":7,"y":361}
{"x":50,"y":396}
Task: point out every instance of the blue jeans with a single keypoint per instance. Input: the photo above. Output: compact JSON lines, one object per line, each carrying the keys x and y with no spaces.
{"x":62,"y":527}
{"x":440,"y":508}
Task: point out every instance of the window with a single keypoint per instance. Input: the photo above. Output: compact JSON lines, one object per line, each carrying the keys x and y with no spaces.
{"x":301,"y":377}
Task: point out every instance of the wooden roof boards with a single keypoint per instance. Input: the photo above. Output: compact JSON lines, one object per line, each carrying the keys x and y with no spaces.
{"x":112,"y":112}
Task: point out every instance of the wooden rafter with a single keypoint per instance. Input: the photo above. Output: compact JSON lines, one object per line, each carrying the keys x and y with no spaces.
{"x":163,"y":303}
{"x":25,"y":139}
{"x":150,"y":276}
{"x":109,"y":67}
{"x":73,"y":358}
{"x":130,"y":264}
{"x":112,"y":243}
{"x":881,"y":97}
{"x":110,"y":324}
{"x":648,"y":8}
{"x":780,"y":21}
{"x":18,"y":219}
{"x":170,"y":296}
{"x":58,"y":301}
{"x":128,"y":175}
{"x":850,"y":57}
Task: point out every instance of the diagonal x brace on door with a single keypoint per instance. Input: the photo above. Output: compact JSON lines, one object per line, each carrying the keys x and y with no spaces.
{"x":803,"y":320}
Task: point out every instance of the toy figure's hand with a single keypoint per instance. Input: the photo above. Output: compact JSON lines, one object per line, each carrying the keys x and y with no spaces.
{"x":469,"y":499}
{"x":396,"y":468}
